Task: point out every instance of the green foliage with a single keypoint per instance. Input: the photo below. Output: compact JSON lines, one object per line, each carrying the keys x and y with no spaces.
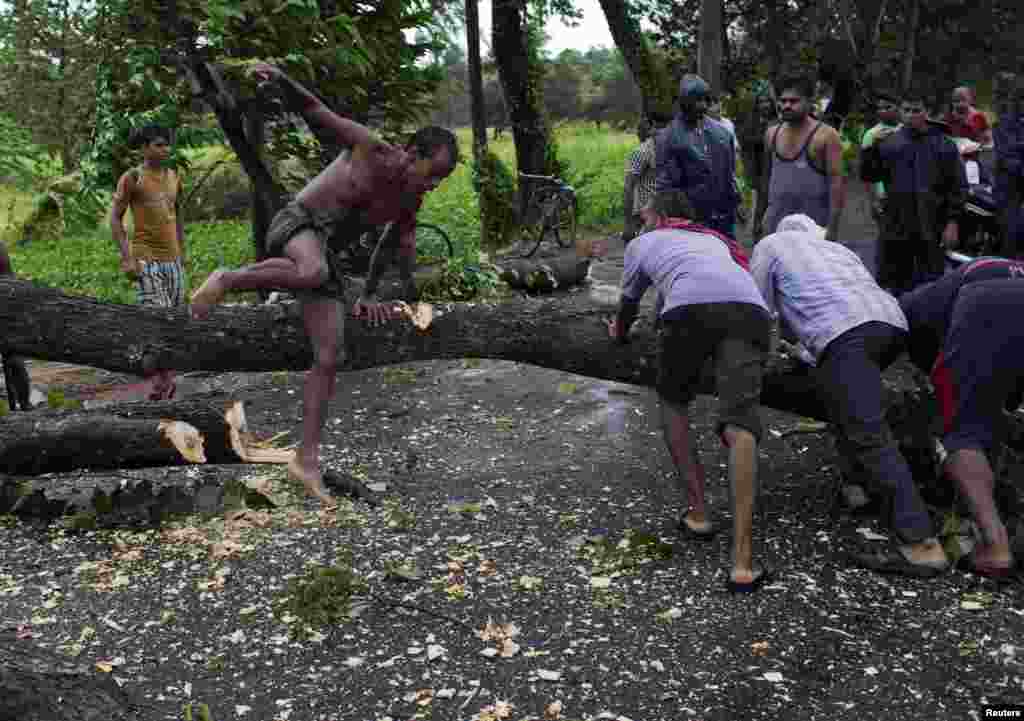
{"x":196,"y":712}
{"x":56,"y":399}
{"x":496,"y":190}
{"x":89,"y":263}
{"x":16,"y":153}
{"x":322,"y":596}
{"x":460,"y":281}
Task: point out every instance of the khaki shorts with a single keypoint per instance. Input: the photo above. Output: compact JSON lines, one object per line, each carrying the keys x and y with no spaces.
{"x":294,"y":218}
{"x":737,"y":337}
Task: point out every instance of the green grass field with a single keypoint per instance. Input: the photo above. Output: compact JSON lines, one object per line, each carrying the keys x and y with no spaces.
{"x":88,"y":263}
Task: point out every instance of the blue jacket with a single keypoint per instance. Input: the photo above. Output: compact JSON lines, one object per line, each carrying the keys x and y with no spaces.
{"x":709,"y":180}
{"x":923,"y":175}
{"x":1009,"y":141}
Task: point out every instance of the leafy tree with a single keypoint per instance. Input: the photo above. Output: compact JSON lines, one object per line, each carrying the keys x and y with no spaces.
{"x":49,"y":71}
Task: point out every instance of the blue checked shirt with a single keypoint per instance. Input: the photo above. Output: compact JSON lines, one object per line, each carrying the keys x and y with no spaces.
{"x":819,"y":289}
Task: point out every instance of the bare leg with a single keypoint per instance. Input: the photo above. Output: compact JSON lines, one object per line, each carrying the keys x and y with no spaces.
{"x":743,"y":481}
{"x":676,"y":427}
{"x":302,"y":268}
{"x":973,"y":474}
{"x":323,"y":318}
{"x":161,"y":385}
{"x":16,"y":379}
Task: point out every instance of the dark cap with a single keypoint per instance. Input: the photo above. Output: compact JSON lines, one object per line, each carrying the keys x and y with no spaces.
{"x":693,"y":86}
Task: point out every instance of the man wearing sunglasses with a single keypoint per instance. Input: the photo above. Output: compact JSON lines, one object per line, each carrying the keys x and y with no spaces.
{"x":926,"y":188}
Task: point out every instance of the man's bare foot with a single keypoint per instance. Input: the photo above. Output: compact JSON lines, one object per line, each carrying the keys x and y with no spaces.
{"x":990,"y":560}
{"x":313,"y":481}
{"x":209,"y":294}
{"x":696,"y":521}
{"x":927,"y":553}
{"x":745,"y":579}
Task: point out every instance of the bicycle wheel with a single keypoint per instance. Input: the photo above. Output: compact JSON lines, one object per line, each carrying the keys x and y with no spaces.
{"x":537,"y":226}
{"x":564,"y":221}
{"x":432,"y":244}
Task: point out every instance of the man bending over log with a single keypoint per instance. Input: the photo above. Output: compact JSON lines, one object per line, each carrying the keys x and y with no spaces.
{"x":849,"y":331}
{"x":964,"y":330}
{"x":712,"y":309}
{"x":16,"y":379}
{"x":376,"y":183}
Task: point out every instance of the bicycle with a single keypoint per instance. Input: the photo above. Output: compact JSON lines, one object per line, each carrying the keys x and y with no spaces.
{"x":551,"y":209}
{"x":433,"y":246}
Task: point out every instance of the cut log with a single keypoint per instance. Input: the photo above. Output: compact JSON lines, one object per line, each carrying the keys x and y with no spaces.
{"x":37,"y":443}
{"x":199,"y":429}
{"x":544,"y":276}
{"x":144,"y":496}
{"x":39,"y":685}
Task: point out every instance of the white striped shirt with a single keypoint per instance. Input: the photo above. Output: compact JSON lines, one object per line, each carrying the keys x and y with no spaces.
{"x":819,"y":289}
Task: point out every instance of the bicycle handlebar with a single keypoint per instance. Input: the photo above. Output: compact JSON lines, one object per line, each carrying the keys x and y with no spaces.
{"x":550,"y":178}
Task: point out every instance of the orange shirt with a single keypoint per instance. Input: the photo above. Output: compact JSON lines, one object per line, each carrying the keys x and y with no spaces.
{"x":152,"y":195}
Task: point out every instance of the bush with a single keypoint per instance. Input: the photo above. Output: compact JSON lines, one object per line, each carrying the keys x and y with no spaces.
{"x":216,"y":188}
{"x":497,"y":197}
{"x":89,"y":263}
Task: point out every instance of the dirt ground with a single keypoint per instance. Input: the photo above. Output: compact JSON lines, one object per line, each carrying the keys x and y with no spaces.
{"x":516,"y":495}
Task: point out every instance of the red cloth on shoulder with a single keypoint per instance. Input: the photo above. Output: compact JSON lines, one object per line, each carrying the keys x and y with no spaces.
{"x":735,"y":249}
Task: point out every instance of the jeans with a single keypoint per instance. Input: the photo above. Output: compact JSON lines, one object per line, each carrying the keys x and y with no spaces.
{"x":849,"y":375}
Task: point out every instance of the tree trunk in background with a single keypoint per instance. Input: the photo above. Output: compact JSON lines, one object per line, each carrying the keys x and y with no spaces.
{"x":709,"y":63}
{"x":476,"y":81}
{"x":521,"y":81}
{"x":242,"y":126}
{"x":648,"y":69}
{"x":910,"y":49}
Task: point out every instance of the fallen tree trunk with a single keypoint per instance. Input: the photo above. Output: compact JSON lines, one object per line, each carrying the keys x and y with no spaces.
{"x":567,"y":334}
{"x":209,"y":428}
{"x":39,"y":685}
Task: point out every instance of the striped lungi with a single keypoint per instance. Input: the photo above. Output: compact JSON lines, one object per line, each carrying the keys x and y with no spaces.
{"x":162,"y":283}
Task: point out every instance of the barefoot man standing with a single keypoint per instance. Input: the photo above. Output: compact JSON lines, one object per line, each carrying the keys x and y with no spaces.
{"x":375,"y":184}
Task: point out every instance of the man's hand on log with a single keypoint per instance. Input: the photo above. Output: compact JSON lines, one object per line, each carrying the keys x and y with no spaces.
{"x":265,"y":72}
{"x":615,"y":330}
{"x":373,"y":312}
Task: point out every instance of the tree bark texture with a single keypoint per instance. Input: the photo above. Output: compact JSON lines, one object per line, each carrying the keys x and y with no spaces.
{"x":521,"y":81}
{"x":118,"y":436}
{"x":648,"y":69}
{"x":709,"y":64}
{"x":147,"y":496}
{"x":39,"y":685}
{"x":910,"y":49}
{"x":544,"y":276}
{"x":567,"y":334}
{"x":476,"y":82}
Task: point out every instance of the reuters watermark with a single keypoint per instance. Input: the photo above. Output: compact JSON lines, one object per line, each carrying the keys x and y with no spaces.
{"x":1003,"y":711}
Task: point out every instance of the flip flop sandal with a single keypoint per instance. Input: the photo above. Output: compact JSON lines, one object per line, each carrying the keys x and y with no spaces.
{"x":350,"y":486}
{"x":896,"y":562}
{"x":695,"y":535}
{"x":765,"y":575}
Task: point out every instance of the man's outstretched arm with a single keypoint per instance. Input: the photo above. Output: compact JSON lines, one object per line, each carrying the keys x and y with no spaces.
{"x":348,"y":132}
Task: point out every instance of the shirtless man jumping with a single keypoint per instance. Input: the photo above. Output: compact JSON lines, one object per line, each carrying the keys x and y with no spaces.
{"x":375,"y":184}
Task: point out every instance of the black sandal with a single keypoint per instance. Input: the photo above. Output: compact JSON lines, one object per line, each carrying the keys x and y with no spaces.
{"x":695,"y":535}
